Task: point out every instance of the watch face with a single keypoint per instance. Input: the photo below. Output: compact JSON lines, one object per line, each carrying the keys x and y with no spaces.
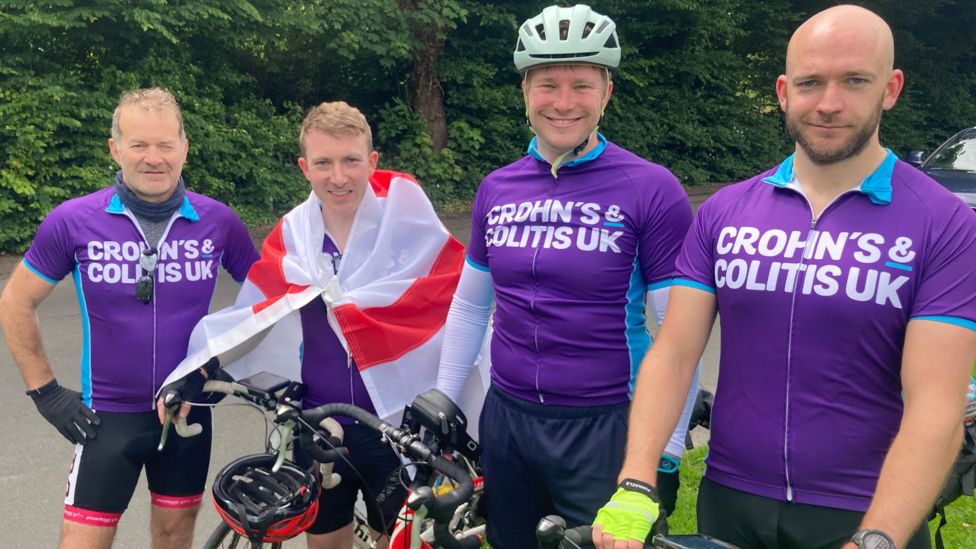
{"x":876,"y":540}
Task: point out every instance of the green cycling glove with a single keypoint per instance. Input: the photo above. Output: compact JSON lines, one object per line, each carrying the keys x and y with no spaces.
{"x":631,"y":512}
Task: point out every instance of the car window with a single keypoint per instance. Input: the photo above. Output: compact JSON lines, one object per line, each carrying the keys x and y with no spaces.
{"x":956,"y":155}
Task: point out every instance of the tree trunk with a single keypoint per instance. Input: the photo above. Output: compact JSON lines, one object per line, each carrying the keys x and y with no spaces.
{"x":426,"y":96}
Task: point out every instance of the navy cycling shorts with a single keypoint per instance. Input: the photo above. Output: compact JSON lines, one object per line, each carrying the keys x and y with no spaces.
{"x":539,"y":460}
{"x":105,"y":471}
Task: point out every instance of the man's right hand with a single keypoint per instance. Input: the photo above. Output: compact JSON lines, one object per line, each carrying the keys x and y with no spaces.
{"x":64,"y":409}
{"x":627,"y":519}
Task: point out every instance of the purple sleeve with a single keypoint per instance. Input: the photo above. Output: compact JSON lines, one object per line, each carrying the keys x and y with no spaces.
{"x":696,"y":259}
{"x":477,"y":251}
{"x":948,"y":285}
{"x":239,"y":252}
{"x":51,"y":254}
{"x":667,"y":217}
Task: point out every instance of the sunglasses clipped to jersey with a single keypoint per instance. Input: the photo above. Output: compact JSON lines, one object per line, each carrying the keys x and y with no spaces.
{"x":146,"y":283}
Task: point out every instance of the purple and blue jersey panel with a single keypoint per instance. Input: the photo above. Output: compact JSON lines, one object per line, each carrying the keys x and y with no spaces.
{"x":813,"y":314}
{"x":129,"y":347}
{"x":571,"y":259}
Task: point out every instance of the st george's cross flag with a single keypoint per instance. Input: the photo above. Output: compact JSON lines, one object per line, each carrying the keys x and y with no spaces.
{"x":387,"y":303}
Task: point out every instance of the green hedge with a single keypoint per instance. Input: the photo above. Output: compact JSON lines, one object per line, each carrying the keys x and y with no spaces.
{"x":694,"y":92}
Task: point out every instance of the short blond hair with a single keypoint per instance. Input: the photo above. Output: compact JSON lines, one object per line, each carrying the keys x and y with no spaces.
{"x":336,"y":118}
{"x":147,"y":99}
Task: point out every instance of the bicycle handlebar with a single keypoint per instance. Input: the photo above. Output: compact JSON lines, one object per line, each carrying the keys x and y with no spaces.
{"x":284,"y":408}
{"x":440,"y":508}
{"x":553,"y":534}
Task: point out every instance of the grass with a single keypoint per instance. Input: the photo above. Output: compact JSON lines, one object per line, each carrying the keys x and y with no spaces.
{"x":960,"y":532}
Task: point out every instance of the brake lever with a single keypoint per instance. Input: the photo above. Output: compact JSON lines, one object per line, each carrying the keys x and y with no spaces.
{"x":182,"y":429}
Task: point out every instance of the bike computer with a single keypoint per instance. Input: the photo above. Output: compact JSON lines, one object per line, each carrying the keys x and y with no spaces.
{"x":265,"y":381}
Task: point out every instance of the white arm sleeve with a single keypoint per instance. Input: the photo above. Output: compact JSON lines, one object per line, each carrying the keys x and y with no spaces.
{"x":676,"y":446}
{"x":464,"y":332}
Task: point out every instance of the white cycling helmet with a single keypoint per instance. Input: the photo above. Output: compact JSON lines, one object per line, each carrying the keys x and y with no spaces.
{"x":567,"y":35}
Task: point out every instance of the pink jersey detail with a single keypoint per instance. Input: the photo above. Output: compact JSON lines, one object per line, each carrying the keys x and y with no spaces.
{"x":91,"y":518}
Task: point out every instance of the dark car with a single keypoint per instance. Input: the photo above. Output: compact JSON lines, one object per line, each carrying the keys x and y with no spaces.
{"x":953,"y":165}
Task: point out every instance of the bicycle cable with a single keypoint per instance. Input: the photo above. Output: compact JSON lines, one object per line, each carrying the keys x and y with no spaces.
{"x":367,"y":491}
{"x":258,"y":409}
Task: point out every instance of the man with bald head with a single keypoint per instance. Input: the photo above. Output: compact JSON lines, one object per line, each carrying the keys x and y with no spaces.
{"x":846,"y":285}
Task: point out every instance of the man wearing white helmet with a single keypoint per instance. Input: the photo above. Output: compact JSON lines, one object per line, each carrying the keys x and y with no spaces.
{"x":569,"y":242}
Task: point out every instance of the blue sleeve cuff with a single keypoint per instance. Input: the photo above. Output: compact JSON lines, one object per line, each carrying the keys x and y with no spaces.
{"x":693,"y":284}
{"x":474,"y":264}
{"x":39,"y":273}
{"x":667,"y":283}
{"x":954,"y":320}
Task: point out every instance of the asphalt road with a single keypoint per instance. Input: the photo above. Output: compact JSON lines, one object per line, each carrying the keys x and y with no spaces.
{"x":35,"y":458}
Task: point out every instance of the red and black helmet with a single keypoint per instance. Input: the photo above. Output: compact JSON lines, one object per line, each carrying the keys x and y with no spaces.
{"x":264,"y":505}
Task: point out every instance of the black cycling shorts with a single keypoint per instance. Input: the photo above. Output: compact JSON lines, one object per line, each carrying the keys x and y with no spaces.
{"x":374,"y":461}
{"x":104,"y":472}
{"x":758,"y":522}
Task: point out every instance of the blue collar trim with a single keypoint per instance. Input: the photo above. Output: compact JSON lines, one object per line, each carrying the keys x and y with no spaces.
{"x":877,"y":186}
{"x":592,"y":155}
{"x":186,"y":209}
{"x":115,"y":205}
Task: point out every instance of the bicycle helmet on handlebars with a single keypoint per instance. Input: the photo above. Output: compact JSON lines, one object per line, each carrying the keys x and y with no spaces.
{"x":260,"y":504}
{"x":567,"y":35}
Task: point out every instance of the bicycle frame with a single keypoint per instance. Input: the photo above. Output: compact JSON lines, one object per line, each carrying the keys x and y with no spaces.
{"x":410,"y":531}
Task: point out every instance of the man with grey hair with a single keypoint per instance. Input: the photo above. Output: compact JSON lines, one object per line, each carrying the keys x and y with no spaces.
{"x":845,"y":283}
{"x":144,"y":253}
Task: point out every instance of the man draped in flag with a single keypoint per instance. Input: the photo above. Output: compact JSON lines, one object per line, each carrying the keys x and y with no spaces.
{"x":350,"y":297}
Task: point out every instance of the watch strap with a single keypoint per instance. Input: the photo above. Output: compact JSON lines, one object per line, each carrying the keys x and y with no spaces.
{"x":886,"y":541}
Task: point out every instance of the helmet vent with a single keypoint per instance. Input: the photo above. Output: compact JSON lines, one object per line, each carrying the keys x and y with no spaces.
{"x":587,"y":29}
{"x":611,"y":42}
{"x":564,"y":30}
{"x":540,"y":29}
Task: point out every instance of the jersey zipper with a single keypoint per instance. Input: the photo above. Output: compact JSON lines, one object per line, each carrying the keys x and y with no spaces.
{"x":162,"y":239}
{"x":352,"y":394}
{"x":535,"y":332}
{"x":807,"y":251}
{"x":538,"y":321}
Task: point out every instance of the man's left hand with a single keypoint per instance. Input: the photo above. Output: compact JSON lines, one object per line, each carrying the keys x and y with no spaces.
{"x":185,"y":390}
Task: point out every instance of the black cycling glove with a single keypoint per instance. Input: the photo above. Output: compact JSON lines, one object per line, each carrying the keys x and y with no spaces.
{"x":189,"y":387}
{"x":64,"y":409}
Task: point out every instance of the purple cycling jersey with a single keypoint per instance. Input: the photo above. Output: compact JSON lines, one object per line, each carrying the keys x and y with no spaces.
{"x":129,"y":347}
{"x":571,"y":259}
{"x":813,"y":315}
{"x":327,"y":369}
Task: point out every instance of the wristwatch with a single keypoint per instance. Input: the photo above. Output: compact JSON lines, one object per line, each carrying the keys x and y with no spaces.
{"x":872,"y":539}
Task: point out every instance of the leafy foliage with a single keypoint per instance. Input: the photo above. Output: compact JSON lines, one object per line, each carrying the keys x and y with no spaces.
{"x":694,"y":92}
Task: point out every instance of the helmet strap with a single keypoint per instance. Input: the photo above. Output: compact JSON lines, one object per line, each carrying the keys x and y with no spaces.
{"x":575,"y":151}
